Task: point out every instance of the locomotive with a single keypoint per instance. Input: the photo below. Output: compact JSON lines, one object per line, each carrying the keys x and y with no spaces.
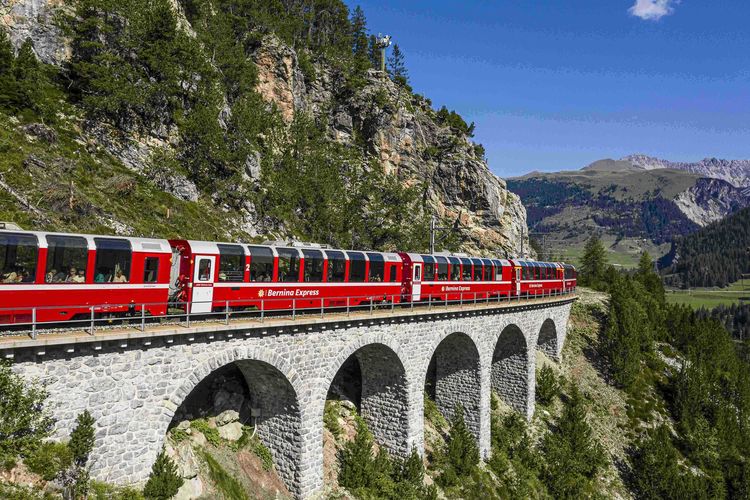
{"x":52,"y":277}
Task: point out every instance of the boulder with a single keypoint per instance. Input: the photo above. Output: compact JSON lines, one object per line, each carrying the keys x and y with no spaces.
{"x":190,"y":489}
{"x":184,"y":457}
{"x":198,"y":439}
{"x":227,"y":417}
{"x":184,"y":426}
{"x":231,"y":432}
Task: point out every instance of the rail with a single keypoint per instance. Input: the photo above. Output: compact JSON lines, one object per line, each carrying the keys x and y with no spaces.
{"x":179,"y":313}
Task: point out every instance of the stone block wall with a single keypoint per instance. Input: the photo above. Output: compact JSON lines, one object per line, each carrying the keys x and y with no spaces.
{"x":133,"y":387}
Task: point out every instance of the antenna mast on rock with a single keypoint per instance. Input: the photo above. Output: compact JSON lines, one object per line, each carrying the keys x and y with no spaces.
{"x":383,"y":42}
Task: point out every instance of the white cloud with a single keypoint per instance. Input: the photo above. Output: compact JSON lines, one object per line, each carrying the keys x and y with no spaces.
{"x":652,"y":10}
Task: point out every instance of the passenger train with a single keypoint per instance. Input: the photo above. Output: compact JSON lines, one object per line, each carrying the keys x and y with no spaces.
{"x":51,"y":277}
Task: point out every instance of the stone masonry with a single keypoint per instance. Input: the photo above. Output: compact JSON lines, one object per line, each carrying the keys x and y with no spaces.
{"x":133,"y":387}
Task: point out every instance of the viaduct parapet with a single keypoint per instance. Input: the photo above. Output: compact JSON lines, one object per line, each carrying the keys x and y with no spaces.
{"x":134,"y":383}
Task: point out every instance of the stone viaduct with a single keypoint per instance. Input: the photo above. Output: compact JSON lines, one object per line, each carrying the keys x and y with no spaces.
{"x":133,"y":382}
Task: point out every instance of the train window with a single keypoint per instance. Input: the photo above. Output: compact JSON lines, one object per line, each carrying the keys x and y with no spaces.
{"x":442,"y":268}
{"x":356,"y":266}
{"x":67,"y":257}
{"x":336,"y":266}
{"x":429,"y":267}
{"x":392,"y":279}
{"x":466,"y":269}
{"x":231,"y":263}
{"x":113,"y":257}
{"x":377,"y":267}
{"x":498,"y":270}
{"x":455,"y":269}
{"x":488,"y":274}
{"x":261,"y":263}
{"x":313,"y":266}
{"x":204,"y":269}
{"x":288,"y":265}
{"x":17,"y":258}
{"x":151,"y":270}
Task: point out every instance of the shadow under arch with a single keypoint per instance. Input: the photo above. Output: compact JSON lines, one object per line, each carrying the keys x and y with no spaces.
{"x":373,"y":377}
{"x":454,"y":378}
{"x":547,"y":341}
{"x":510,"y":369}
{"x":270,"y":395}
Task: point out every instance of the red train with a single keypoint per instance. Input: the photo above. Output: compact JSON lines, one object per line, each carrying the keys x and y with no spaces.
{"x":51,"y":277}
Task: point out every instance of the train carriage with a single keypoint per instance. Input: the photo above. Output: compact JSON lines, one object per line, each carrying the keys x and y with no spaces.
{"x":57,"y":277}
{"x":444,"y":277}
{"x":532,"y":278}
{"x":215,"y":276}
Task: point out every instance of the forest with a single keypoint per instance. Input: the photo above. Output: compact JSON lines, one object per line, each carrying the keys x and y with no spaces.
{"x":717,"y":255}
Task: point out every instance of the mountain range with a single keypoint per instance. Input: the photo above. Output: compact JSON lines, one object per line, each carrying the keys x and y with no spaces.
{"x":635,"y":203}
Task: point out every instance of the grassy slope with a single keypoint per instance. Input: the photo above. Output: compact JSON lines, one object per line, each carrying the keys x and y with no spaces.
{"x":104,"y":190}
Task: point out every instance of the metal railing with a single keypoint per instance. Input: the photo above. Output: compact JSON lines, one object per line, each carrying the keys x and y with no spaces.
{"x":140,"y":316}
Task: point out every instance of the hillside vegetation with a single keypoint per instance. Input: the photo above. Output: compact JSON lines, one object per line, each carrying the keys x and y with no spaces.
{"x":717,"y":255}
{"x":215,"y":119}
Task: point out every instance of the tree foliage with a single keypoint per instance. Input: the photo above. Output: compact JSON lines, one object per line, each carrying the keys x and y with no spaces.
{"x":461,"y":450}
{"x":593,"y":264}
{"x":24,"y":421}
{"x":164,"y":481}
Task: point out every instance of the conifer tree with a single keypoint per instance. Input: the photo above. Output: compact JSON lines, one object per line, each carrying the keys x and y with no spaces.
{"x":164,"y":481}
{"x":593,"y":263}
{"x":572,"y":455}
{"x":357,"y":465}
{"x":6,"y":54}
{"x":360,"y":45}
{"x":397,"y":66}
{"x":81,"y":444}
{"x":461,"y":450}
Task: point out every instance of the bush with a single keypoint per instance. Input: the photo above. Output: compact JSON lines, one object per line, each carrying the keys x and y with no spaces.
{"x":331,"y":418}
{"x":24,"y":422}
{"x":104,"y":491}
{"x":49,"y":460}
{"x":547,"y":385}
{"x":163,"y":482}
{"x":211,"y":433}
{"x":227,"y":485}
{"x":461,"y":450}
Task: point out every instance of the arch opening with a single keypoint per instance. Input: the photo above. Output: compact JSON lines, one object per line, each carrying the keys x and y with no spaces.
{"x":374,"y":380}
{"x":510,"y":369}
{"x":453,"y":378}
{"x":547,"y":341}
{"x":263,"y":397}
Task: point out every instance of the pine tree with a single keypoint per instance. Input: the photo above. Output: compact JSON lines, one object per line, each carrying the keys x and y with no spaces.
{"x":82,"y":438}
{"x":360,"y":45}
{"x":164,"y":481}
{"x":547,"y":385}
{"x":593,"y":263}
{"x":397,"y":67}
{"x":412,"y":469}
{"x":461,"y":450}
{"x":357,"y":465}
{"x":6,"y":54}
{"x":572,"y":455}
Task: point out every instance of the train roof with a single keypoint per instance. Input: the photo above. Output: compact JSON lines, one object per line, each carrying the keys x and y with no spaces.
{"x":212,"y":247}
{"x":138,"y":244}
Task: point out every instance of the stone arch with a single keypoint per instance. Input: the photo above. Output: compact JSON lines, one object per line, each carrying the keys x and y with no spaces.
{"x":384,"y":403}
{"x":456,"y":368}
{"x":274,"y":388}
{"x":547,"y":340}
{"x":510,"y":369}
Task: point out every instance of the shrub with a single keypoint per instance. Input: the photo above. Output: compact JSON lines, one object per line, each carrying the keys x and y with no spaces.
{"x":49,"y":460}
{"x":24,"y":422}
{"x":104,"y":491}
{"x":164,"y":481}
{"x":262,"y":452}
{"x":461,"y":450}
{"x":547,"y":385}
{"x":82,"y":438}
{"x":331,"y":418}
{"x":211,"y":433}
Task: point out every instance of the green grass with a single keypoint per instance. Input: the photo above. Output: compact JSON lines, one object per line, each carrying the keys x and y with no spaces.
{"x":229,"y":486}
{"x":710,"y":297}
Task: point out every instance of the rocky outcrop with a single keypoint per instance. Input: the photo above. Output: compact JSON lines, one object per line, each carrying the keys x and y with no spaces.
{"x":710,"y":200}
{"x":35,"y":19}
{"x":402,"y":131}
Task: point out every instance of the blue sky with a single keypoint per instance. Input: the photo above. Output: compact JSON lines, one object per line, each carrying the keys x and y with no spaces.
{"x":557,"y":84}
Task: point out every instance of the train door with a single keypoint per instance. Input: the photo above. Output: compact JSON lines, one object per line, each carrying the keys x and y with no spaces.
{"x":518,"y":281}
{"x":203,"y":284}
{"x":416,"y":284}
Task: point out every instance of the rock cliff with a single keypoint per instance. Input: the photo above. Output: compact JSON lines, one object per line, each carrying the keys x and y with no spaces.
{"x":389,"y":123}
